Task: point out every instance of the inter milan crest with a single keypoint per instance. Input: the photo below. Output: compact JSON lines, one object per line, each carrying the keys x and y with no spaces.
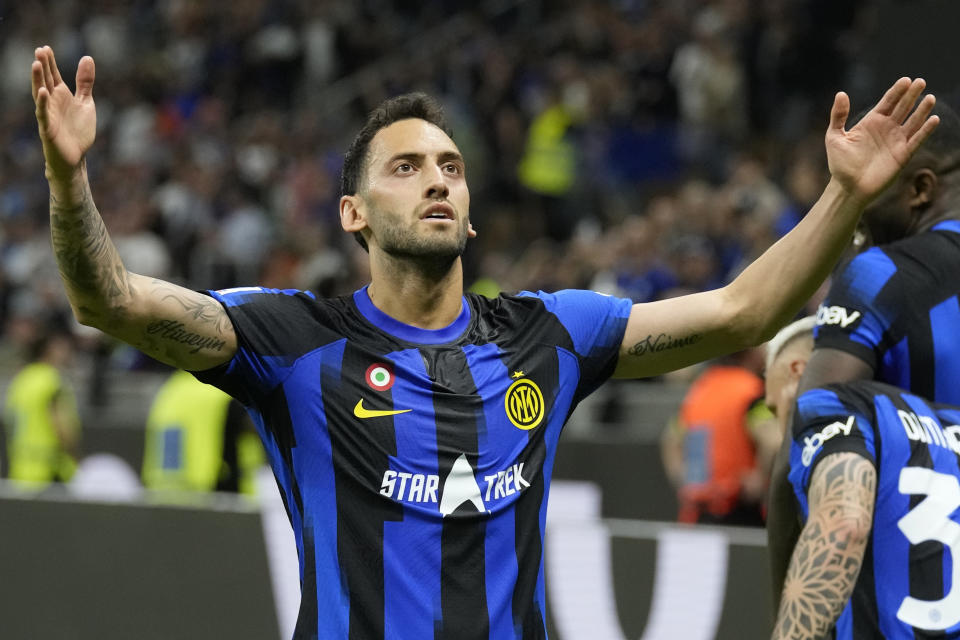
{"x":380,"y":376}
{"x":524,"y":403}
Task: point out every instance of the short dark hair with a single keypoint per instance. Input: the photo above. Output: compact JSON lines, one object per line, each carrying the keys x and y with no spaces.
{"x":403,"y":107}
{"x":942,"y":148}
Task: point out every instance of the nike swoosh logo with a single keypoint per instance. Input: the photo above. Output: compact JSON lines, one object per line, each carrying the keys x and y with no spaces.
{"x":361,"y":412}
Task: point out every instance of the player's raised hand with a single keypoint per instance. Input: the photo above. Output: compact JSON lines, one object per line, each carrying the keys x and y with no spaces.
{"x":67,"y":120}
{"x":865,"y":158}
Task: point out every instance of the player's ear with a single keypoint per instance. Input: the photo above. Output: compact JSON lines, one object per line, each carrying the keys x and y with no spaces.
{"x":471,"y":232}
{"x":923,"y":185}
{"x":797,"y":367}
{"x":353,"y":215}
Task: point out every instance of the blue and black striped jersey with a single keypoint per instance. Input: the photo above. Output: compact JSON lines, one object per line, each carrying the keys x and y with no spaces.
{"x":415,"y":464}
{"x":896,"y":307}
{"x":909,"y":583}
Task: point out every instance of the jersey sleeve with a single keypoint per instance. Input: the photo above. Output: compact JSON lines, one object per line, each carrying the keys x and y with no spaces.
{"x":849,"y":318}
{"x":823,"y":424}
{"x":596,"y":324}
{"x":270,"y":325}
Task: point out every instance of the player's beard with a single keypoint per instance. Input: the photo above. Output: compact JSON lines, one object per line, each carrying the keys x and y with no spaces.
{"x":399,"y":239}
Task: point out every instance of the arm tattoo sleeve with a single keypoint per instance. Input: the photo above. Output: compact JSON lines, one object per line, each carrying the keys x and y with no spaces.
{"x":829,"y":553}
{"x":89,"y":264}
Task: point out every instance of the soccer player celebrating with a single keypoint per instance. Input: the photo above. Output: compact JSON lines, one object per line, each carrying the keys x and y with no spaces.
{"x":874,"y":471}
{"x":412,"y":428}
{"x":893,"y":312}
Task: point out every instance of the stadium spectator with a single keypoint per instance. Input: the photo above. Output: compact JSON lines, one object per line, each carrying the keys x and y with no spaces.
{"x":867,"y":463}
{"x":197,"y":440}
{"x":40,"y":415}
{"x":363,"y":501}
{"x":719,"y":448}
{"x":195,"y":88}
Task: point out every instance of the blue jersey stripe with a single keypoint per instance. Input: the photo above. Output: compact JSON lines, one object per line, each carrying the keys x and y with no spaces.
{"x":895,"y":368}
{"x":411,"y":547}
{"x":868,"y":273}
{"x":589,"y":338}
{"x":888,"y":541}
{"x":945,"y":327}
{"x":947,"y":225}
{"x":313,"y":454}
{"x":284,"y":480}
{"x":844,"y":626}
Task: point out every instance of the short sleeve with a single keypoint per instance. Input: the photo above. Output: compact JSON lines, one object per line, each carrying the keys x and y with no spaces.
{"x":596,"y":324}
{"x":822,"y":426}
{"x":849,"y":318}
{"x":274,"y":327}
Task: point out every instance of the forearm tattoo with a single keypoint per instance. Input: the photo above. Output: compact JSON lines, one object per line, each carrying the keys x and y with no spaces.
{"x":662,"y":342}
{"x":828,"y":557}
{"x":89,"y":264}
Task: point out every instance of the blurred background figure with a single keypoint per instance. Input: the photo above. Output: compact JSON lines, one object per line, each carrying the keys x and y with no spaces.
{"x":40,"y":414}
{"x":199,"y":439}
{"x":718,"y":450}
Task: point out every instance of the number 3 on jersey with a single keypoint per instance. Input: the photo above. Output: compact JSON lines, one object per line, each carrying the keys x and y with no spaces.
{"x":930,"y":520}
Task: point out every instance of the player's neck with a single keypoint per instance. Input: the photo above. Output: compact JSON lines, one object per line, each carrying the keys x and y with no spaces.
{"x":424,"y":298}
{"x":942,"y":210}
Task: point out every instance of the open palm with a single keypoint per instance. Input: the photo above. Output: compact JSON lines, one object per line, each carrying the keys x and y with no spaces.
{"x":67,"y":121}
{"x":866,"y":158}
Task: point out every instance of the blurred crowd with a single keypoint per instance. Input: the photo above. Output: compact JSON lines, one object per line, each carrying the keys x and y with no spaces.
{"x":642,"y":148}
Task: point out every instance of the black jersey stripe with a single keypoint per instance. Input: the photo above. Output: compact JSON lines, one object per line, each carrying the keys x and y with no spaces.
{"x":866,"y":612}
{"x":867,"y":625}
{"x":544,"y":328}
{"x":357,"y":467}
{"x":458,"y":410}
{"x":922,"y":370}
{"x":526,"y":611}
{"x":307,"y":621}
{"x":276,"y":418}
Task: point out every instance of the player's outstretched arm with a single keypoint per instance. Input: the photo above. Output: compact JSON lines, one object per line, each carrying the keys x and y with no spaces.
{"x":670,"y":334}
{"x":829,"y":554}
{"x":180,"y":327}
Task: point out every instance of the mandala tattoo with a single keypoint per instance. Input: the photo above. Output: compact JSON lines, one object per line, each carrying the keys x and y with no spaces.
{"x":829,"y":554}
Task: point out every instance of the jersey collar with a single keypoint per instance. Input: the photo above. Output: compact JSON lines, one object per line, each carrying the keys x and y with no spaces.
{"x":948,"y":225}
{"x":405,"y":331}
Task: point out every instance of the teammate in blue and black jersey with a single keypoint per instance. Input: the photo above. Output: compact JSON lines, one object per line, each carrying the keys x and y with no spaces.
{"x":411,"y":428}
{"x":875,"y":475}
{"x":892,"y":312}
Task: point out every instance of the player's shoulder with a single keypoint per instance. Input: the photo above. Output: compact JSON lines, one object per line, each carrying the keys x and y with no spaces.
{"x":237,"y":296}
{"x":556,"y":302}
{"x":584,"y":319}
{"x":286,"y":320}
{"x":265,"y":298}
{"x":829,"y":401}
{"x":876,"y":261}
{"x":939,"y":244}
